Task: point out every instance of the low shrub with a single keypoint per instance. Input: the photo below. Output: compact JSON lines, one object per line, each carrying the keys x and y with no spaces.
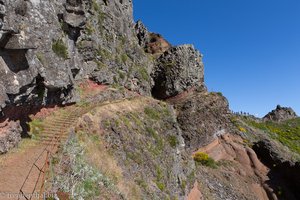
{"x":204,"y":159}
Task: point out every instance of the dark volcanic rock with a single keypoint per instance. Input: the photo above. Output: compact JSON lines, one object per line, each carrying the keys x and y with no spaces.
{"x":142,"y":33}
{"x":178,"y":69}
{"x":270,"y":153}
{"x":202,"y":117}
{"x":280,"y":114}
{"x":284,"y":173}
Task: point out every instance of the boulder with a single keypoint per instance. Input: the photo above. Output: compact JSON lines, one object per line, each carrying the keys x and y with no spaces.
{"x":178,"y":69}
{"x":203,"y":117}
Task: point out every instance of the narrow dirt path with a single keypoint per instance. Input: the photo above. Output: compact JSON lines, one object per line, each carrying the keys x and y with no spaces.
{"x":14,"y":170}
{"x":21,"y":170}
{"x":15,"y":166}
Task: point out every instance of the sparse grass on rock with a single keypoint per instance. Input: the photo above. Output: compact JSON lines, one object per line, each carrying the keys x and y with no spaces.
{"x":60,"y":49}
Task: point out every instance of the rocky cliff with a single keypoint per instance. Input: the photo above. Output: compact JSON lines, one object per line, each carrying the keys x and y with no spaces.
{"x":150,"y":129}
{"x":47,"y":46}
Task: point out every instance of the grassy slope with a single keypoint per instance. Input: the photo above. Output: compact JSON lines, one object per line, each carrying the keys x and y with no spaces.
{"x":132,"y":146}
{"x":287,"y":132}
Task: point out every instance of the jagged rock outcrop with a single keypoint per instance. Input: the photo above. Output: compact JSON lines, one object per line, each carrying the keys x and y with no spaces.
{"x":202,"y":117}
{"x":280,"y":114}
{"x":142,"y":33}
{"x":152,"y":43}
{"x":179,"y":69}
{"x":10,"y":135}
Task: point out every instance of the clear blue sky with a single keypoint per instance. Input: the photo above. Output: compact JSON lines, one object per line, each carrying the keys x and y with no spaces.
{"x":251,"y":48}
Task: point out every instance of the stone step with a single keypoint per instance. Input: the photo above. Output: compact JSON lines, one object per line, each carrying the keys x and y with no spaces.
{"x":53,"y":136}
{"x":61,"y":121}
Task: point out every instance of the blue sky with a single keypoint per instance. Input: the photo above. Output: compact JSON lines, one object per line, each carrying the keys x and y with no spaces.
{"x":251,"y":48}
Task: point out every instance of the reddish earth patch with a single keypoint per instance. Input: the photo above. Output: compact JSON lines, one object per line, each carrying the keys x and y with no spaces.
{"x":23,"y":112}
{"x":157,"y":45}
{"x":90,"y":86}
{"x":181,"y":96}
{"x":195,"y":193}
{"x":231,"y":148}
{"x":3,"y":125}
{"x":44,"y":112}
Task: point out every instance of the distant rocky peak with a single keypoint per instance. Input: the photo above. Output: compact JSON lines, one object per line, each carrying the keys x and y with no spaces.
{"x":280,"y":114}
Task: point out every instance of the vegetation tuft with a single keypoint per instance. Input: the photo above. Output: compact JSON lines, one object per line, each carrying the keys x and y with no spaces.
{"x":152,"y":113}
{"x":36,"y":127}
{"x":204,"y":159}
{"x":173,"y":141}
{"x":60,"y":49}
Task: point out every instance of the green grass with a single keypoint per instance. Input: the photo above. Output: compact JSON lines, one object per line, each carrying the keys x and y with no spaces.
{"x":60,"y":49}
{"x":89,"y":29}
{"x":159,"y":179}
{"x":124,"y":58}
{"x":105,"y":54}
{"x":36,"y":127}
{"x":287,"y":132}
{"x":152,"y":113}
{"x":136,"y":119}
{"x":142,"y":183}
{"x":144,"y":74}
{"x":41,"y":58}
{"x":160,"y":185}
{"x":81,"y":178}
{"x":159,"y":142}
{"x":173,"y":141}
{"x":95,"y":5}
{"x":122,"y":75}
{"x":126,"y":121}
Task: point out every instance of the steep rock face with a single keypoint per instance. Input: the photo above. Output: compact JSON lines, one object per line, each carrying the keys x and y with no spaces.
{"x":47,"y":46}
{"x":29,"y":71}
{"x":109,"y":43}
{"x":280,"y":114}
{"x":178,"y":69}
